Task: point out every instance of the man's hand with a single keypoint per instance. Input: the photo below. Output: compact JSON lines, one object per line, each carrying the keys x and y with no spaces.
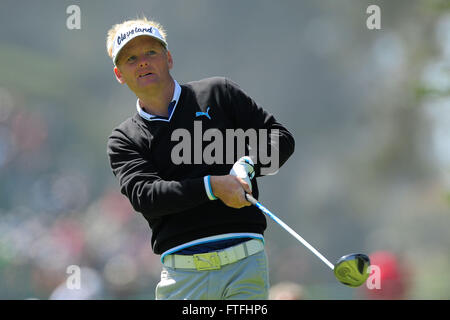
{"x":244,"y":168}
{"x":231,"y":190}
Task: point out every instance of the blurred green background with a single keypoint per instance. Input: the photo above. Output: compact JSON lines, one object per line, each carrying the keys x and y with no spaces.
{"x":369,"y":109}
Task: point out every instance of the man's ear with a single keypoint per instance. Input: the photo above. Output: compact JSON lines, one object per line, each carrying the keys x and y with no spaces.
{"x":169,"y":60}
{"x":118,"y":75}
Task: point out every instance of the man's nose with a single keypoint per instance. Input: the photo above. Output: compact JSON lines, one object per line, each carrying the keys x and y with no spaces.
{"x":143,"y":61}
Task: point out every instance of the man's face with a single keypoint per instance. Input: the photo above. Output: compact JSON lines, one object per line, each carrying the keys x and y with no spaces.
{"x":143,"y":63}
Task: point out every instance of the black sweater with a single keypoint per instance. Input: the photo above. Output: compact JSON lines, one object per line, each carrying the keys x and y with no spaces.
{"x":171,"y":197}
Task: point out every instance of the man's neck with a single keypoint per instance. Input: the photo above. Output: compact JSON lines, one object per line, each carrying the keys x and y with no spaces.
{"x":156,"y":102}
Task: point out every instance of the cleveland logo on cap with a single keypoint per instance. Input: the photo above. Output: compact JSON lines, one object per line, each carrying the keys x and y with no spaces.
{"x":130,"y":32}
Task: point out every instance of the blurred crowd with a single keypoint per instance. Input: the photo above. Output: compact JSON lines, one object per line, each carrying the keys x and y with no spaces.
{"x":108,"y":241}
{"x":50,"y":220}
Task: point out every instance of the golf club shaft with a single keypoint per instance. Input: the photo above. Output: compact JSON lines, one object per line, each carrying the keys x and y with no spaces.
{"x":288,"y":229}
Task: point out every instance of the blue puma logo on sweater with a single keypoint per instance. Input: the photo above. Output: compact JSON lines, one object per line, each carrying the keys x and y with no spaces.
{"x":199,"y":113}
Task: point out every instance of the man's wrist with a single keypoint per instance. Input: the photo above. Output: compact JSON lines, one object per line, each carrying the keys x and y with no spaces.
{"x":208,"y":188}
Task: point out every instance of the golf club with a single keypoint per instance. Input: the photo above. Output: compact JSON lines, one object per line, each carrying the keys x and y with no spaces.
{"x":350,"y":270}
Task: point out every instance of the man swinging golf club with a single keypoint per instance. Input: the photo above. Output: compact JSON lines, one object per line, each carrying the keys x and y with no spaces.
{"x":209,"y":236}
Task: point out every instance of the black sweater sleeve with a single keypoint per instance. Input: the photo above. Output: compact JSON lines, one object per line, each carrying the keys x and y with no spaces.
{"x":140,"y":182}
{"x":247,"y":114}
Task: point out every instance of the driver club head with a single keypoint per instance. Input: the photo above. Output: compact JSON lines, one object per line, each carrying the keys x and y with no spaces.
{"x":351,"y":269}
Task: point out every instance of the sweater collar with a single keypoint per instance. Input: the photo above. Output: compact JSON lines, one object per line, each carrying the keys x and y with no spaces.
{"x":171,"y":108}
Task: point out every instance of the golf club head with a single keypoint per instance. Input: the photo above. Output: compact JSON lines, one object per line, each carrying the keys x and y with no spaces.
{"x":351,"y":269}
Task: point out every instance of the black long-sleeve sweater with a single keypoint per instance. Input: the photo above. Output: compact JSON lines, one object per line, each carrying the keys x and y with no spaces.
{"x":172,"y":197}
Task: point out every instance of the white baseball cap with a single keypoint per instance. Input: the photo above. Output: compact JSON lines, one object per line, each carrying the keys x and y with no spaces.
{"x":128,"y":33}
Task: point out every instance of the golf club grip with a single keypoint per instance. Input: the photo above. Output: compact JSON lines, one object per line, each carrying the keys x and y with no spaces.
{"x":250,"y":199}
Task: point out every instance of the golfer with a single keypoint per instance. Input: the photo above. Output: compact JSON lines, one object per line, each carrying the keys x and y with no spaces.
{"x":209,"y":237}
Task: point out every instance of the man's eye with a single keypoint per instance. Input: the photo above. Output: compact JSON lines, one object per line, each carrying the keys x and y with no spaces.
{"x":151,"y":52}
{"x":131,"y":59}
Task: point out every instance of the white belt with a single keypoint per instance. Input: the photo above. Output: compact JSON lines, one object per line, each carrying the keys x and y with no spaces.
{"x":214,"y":260}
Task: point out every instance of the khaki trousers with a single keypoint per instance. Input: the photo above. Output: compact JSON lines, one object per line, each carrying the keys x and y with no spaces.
{"x":246,"y":279}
